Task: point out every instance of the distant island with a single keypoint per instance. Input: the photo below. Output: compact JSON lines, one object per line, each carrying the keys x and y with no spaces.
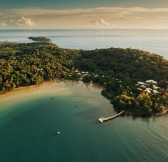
{"x":135,"y":81}
{"x":40,"y":39}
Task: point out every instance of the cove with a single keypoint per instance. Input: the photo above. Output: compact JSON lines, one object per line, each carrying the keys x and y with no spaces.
{"x":30,"y":118}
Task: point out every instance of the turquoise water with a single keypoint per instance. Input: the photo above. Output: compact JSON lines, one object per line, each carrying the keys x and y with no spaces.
{"x":150,"y":40}
{"x":29,"y":122}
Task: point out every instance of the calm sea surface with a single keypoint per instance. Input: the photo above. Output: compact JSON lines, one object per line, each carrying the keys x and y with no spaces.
{"x":155,"y":41}
{"x":30,"y":118}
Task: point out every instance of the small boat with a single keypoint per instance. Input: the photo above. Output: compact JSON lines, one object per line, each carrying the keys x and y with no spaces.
{"x":58,"y":132}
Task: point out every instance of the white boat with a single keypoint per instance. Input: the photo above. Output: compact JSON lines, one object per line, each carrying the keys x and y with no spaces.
{"x":58,"y":132}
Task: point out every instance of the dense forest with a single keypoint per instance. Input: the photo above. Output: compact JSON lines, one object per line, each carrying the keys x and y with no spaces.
{"x":134,"y":80}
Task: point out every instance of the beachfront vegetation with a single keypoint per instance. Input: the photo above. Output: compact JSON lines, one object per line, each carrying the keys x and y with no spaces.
{"x":134,"y":80}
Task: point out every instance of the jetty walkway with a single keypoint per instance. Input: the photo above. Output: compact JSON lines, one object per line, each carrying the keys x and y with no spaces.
{"x":103,"y":119}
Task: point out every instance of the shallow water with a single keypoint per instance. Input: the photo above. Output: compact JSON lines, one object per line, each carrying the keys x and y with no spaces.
{"x":30,"y":118}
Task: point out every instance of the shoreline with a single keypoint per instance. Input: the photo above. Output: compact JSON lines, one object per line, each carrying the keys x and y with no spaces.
{"x":29,"y":86}
{"x":143,"y":115}
{"x":162,"y":113}
{"x":17,"y":89}
{"x":94,"y":85}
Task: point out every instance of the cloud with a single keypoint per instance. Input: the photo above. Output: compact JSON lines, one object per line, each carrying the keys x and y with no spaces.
{"x":17,"y":22}
{"x":101,"y":23}
{"x":26,"y":22}
{"x":113,"y":11}
{"x":112,"y":17}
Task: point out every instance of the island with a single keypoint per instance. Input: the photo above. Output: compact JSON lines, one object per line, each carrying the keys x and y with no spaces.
{"x":40,"y":39}
{"x":135,"y":81}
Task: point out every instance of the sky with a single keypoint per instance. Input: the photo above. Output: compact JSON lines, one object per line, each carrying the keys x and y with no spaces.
{"x":84,"y":14}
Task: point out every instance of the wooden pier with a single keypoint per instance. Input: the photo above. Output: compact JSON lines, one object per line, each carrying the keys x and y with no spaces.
{"x":103,"y":119}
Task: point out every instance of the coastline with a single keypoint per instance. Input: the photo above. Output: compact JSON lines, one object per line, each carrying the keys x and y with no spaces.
{"x":86,"y":84}
{"x":30,"y":86}
{"x":114,"y":72}
{"x":17,"y":89}
{"x":145,"y":115}
{"x":162,"y":113}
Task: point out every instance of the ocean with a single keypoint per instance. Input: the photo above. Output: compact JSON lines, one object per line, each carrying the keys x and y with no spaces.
{"x":31,"y":117}
{"x":154,"y":41}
